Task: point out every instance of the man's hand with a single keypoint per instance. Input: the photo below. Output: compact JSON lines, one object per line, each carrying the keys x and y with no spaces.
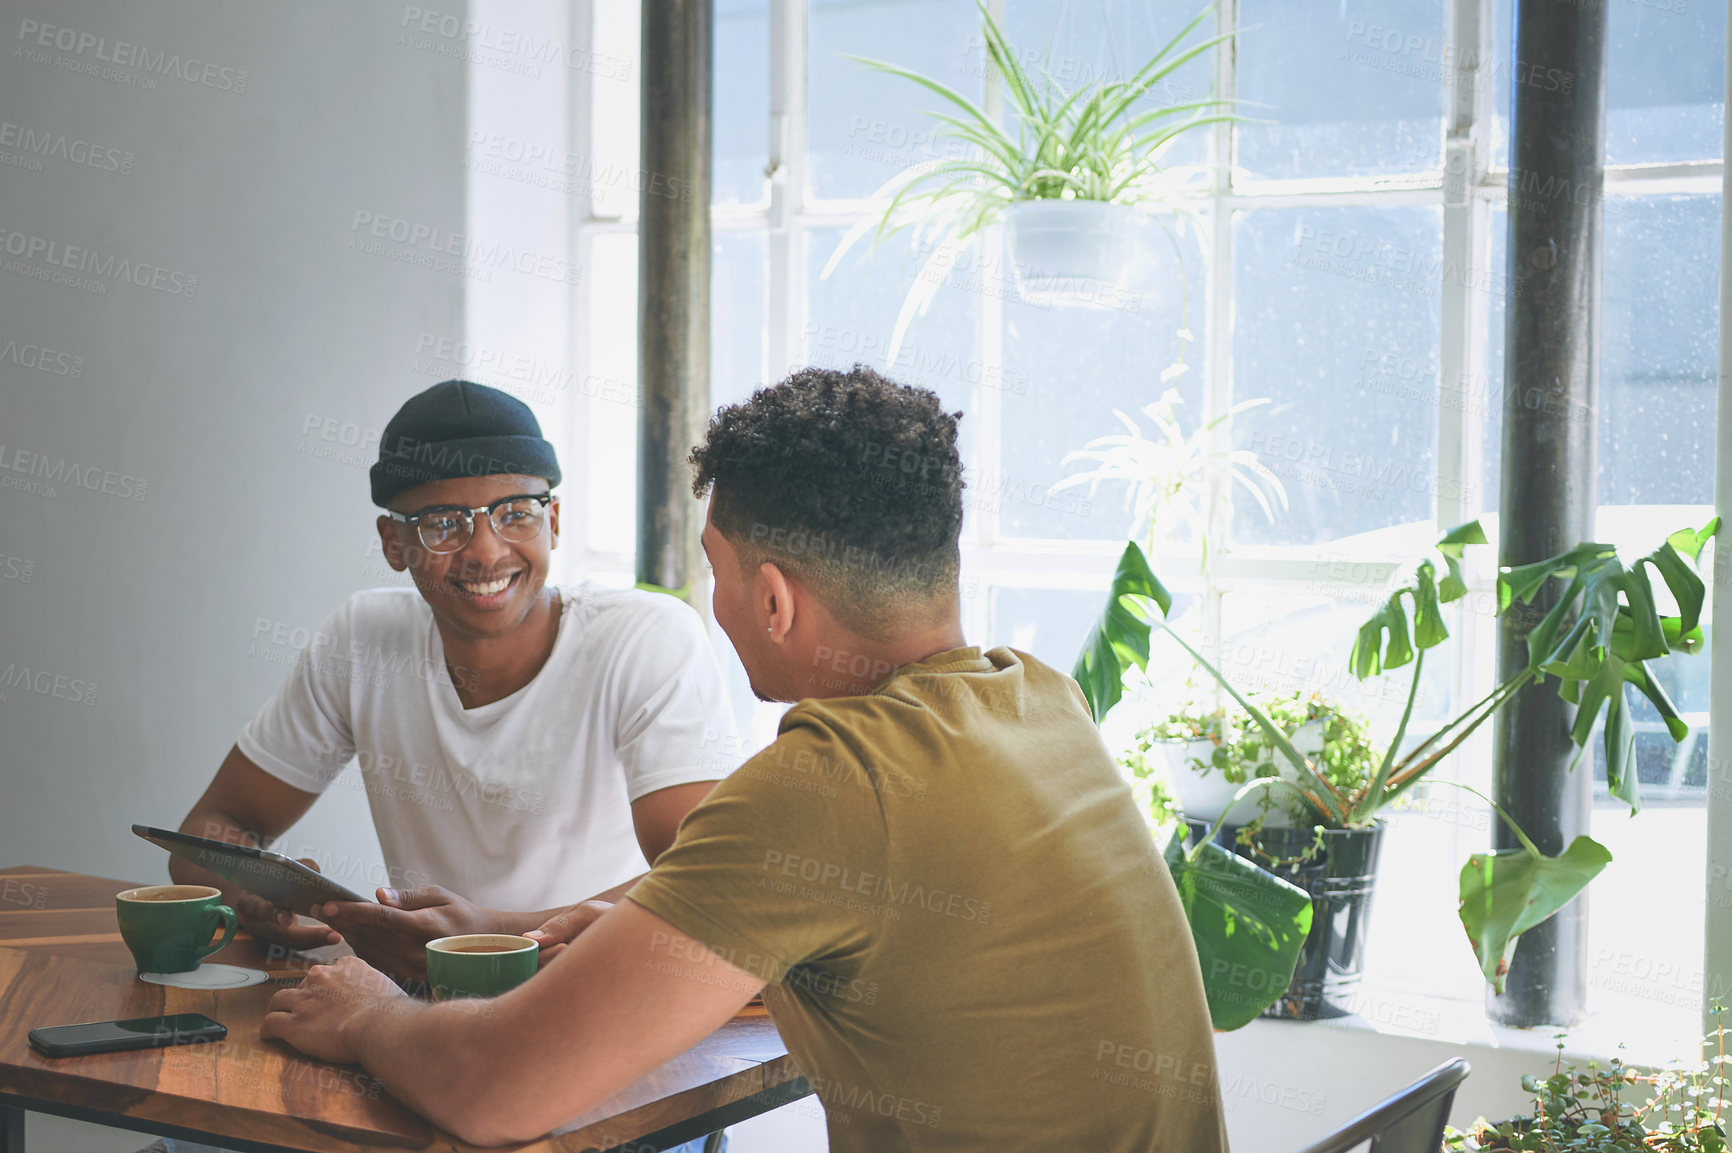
{"x":276,"y":925}
{"x":563,"y":927}
{"x":312,"y":1015}
{"x":393,"y":934}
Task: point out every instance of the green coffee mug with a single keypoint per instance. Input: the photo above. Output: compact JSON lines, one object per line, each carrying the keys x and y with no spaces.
{"x":479,"y":964}
{"x":168,"y":927}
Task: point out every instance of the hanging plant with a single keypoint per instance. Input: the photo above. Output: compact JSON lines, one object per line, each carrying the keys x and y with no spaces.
{"x":1099,"y":148}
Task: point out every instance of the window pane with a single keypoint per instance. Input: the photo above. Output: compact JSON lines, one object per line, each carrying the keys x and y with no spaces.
{"x":1286,"y":642}
{"x":1049,"y":623}
{"x":852,"y":314}
{"x":737,"y":333}
{"x":742,"y":108}
{"x":864,"y":127}
{"x":1665,"y":81}
{"x":1083,"y":44}
{"x":1665,"y":77}
{"x":1659,"y":349}
{"x":1331,"y":305}
{"x":1068,"y":369}
{"x":1354,"y":87}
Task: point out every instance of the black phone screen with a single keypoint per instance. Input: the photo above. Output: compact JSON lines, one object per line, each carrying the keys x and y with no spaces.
{"x":138,"y":1033}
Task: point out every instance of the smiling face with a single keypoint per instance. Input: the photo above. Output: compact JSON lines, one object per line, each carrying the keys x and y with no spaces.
{"x":490,"y":585}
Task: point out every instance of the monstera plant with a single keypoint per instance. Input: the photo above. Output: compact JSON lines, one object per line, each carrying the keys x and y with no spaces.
{"x":1596,"y":641}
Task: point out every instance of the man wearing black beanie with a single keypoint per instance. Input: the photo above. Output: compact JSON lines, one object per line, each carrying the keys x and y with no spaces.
{"x":523,"y":746}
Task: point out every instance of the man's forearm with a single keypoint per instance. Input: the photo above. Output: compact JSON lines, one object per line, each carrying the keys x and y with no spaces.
{"x":513,"y":922}
{"x":440,"y":1060}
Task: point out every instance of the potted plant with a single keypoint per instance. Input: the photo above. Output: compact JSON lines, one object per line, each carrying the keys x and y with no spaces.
{"x":1073,"y":178}
{"x":1684,"y":1110}
{"x":1211,"y":751}
{"x":1596,"y":640}
{"x":1217,"y":752}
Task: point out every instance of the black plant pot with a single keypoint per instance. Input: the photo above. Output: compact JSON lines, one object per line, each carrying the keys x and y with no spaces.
{"x":1340,"y":878}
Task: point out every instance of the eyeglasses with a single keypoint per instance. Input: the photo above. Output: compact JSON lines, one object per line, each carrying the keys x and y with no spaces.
{"x":447,"y":528}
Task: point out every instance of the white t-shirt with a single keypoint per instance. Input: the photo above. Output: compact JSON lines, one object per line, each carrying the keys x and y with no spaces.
{"x":523,"y":803}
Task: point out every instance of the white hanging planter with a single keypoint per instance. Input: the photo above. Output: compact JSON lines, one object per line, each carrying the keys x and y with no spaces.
{"x":1074,"y":253}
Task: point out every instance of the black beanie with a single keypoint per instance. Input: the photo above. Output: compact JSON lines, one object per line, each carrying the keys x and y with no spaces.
{"x":457,"y":428}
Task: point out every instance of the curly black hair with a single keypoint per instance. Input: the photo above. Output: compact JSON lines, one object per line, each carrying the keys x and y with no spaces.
{"x":847,"y":480}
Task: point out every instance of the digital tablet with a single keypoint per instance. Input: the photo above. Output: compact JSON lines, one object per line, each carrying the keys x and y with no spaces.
{"x":278,"y":879}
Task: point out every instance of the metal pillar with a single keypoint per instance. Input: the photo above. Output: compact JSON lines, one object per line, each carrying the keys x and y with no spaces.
{"x":673,"y":284}
{"x":1550,"y":451}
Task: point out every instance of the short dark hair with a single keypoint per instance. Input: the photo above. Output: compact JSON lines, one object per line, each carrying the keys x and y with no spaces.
{"x":847,"y":480}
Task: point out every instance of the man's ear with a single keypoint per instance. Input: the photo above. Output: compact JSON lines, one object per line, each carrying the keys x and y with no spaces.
{"x":773,"y":595}
{"x":390,"y":544}
{"x":553,"y":521}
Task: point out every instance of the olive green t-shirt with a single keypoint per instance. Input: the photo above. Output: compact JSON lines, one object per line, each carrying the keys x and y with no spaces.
{"x":970,"y":939}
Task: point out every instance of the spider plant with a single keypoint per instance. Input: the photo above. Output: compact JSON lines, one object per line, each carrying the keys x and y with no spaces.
{"x":1166,"y":475}
{"x":1098,"y":142}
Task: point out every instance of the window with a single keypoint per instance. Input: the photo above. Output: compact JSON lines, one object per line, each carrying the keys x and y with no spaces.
{"x":1341,"y":266}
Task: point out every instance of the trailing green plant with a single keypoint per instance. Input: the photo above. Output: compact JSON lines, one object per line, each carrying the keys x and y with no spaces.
{"x":1584,"y":1110}
{"x":1148,"y":787}
{"x":1241,"y":751}
{"x":1617,"y":627}
{"x":1101,"y":142}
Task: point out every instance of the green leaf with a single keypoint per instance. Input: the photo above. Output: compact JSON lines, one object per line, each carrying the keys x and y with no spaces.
{"x":1453,"y":544}
{"x":1690,"y":542}
{"x":984,"y":122}
{"x":1503,"y":895}
{"x":1617,"y":628}
{"x":1637,"y":674}
{"x":1247,"y":924}
{"x":1372,"y":653}
{"x":1523,"y":582}
{"x":1681,"y":580}
{"x":1383,"y":640}
{"x":1120,"y":638}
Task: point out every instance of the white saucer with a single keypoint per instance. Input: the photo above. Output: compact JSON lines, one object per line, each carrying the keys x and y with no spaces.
{"x":208,"y":977}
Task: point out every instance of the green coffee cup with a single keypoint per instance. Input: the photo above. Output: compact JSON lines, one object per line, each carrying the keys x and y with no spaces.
{"x":479,"y":964}
{"x":169,"y":927}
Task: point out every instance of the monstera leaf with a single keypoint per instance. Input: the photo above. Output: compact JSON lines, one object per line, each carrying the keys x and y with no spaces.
{"x":1614,"y":628}
{"x":1382,"y":642}
{"x":1505,"y":894}
{"x":1248,"y":925}
{"x":1120,"y":639}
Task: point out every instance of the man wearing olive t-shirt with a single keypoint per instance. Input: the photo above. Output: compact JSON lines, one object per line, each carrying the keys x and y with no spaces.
{"x":935,"y":873}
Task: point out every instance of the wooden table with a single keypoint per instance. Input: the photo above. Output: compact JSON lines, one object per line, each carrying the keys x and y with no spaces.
{"x":62,"y":961}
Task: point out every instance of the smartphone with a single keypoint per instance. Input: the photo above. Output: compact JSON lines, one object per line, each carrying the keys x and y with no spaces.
{"x":138,"y":1033}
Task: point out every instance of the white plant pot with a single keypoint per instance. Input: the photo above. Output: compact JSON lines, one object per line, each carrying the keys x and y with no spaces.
{"x":1074,"y":253}
{"x":1204,"y":797}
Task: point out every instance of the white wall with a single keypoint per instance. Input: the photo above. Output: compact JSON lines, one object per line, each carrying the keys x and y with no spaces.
{"x":238,"y":416}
